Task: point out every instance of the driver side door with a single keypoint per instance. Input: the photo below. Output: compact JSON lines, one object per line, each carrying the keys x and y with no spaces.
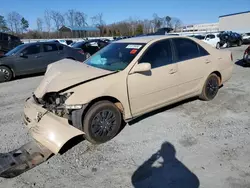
{"x":157,"y":87}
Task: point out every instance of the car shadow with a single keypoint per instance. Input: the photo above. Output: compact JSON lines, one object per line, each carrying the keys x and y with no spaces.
{"x":138,"y":119}
{"x":169,"y":173}
{"x":241,"y":63}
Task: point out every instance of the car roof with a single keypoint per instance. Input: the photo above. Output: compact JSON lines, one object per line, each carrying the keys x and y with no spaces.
{"x":147,"y":39}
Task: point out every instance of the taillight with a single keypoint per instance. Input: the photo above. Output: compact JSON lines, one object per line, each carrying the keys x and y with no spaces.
{"x":232,"y":57}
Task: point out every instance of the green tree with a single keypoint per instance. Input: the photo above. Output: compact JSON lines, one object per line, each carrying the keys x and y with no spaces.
{"x":139,"y":29}
{"x":24,"y":24}
{"x":3,"y":24}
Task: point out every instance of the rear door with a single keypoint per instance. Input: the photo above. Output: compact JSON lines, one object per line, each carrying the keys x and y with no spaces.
{"x":50,"y":54}
{"x":194,"y":63}
{"x":30,"y":61}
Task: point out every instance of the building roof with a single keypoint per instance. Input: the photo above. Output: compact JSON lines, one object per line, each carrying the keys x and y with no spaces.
{"x":75,"y":28}
{"x":234,"y":14}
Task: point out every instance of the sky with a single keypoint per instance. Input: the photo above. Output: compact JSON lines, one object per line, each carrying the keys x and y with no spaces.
{"x":188,"y":11}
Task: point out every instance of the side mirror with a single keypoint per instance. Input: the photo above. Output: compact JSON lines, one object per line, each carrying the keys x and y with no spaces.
{"x":141,"y":67}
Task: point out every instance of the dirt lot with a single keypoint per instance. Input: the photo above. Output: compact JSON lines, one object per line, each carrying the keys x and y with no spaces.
{"x":200,"y":144}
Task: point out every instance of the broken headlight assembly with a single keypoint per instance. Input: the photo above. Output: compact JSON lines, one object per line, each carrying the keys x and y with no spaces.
{"x":55,"y":102}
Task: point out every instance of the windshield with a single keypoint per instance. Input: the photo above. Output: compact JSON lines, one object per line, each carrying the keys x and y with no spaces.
{"x":14,"y":50}
{"x":115,"y":56}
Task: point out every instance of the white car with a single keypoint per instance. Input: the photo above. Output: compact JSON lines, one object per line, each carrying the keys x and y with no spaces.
{"x":246,"y":38}
{"x":213,"y":40}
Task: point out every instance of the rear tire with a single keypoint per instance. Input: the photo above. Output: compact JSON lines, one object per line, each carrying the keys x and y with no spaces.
{"x":218,"y":45}
{"x":102,"y":122}
{"x":210,"y":88}
{"x":8,"y":75}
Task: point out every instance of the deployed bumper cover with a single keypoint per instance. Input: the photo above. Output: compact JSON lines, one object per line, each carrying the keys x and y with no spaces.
{"x":47,"y":128}
{"x":20,"y":160}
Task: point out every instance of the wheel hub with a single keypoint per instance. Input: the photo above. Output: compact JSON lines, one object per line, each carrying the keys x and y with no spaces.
{"x":103,"y":123}
{"x":6,"y":73}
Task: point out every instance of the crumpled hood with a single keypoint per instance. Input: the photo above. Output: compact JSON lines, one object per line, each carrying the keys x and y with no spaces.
{"x":66,"y":73}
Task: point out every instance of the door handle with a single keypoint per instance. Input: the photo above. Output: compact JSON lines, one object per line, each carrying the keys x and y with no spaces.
{"x":172,"y":71}
{"x":207,"y":61}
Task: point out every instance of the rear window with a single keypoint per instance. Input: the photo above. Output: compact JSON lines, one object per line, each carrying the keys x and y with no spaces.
{"x":49,"y":47}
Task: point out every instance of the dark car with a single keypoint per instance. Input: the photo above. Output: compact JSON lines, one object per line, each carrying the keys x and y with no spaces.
{"x":8,"y":42}
{"x":90,"y":47}
{"x":230,"y":38}
{"x":35,"y":57}
{"x":69,"y":42}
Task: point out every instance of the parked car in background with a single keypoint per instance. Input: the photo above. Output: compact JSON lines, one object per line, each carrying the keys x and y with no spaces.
{"x":246,"y":38}
{"x":213,"y":40}
{"x":8,"y":42}
{"x":90,"y":47}
{"x":59,"y":41}
{"x":35,"y":57}
{"x":124,"y":80}
{"x":230,"y":38}
{"x":68,"y":42}
{"x":246,"y":56}
{"x":200,"y":37}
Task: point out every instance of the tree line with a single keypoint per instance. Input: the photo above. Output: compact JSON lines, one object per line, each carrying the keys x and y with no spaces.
{"x":48,"y":25}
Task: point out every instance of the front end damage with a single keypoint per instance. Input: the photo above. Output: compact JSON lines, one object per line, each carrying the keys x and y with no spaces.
{"x":48,"y":122}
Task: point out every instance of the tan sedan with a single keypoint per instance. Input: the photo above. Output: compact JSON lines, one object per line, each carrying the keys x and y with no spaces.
{"x":122,"y":81}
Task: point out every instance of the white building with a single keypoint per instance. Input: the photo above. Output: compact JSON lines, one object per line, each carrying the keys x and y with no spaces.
{"x":237,"y":22}
{"x":206,"y":27}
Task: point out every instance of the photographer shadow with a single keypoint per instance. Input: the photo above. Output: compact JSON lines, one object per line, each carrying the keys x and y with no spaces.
{"x":170,"y":173}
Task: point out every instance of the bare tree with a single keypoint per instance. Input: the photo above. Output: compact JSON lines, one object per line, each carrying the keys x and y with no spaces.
{"x":168,"y":20}
{"x":70,"y":15}
{"x":157,"y":21}
{"x":176,"y":24}
{"x":39,"y":23}
{"x":58,"y":19}
{"x":80,"y":19}
{"x":99,"y":22}
{"x":14,"y":21}
{"x":47,"y":19}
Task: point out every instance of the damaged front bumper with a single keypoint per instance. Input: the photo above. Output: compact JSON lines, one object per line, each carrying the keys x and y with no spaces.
{"x":50,"y":132}
{"x":25,"y":158}
{"x":47,"y":128}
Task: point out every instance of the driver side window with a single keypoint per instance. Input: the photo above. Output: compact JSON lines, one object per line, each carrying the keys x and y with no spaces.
{"x":159,"y":54}
{"x":30,"y":50}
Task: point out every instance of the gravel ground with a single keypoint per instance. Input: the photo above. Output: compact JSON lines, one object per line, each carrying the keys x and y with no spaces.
{"x":193,"y":144}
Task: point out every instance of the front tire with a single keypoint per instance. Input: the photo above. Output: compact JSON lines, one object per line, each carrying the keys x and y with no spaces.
{"x":102,"y":122}
{"x":210,"y":88}
{"x":8,"y":75}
